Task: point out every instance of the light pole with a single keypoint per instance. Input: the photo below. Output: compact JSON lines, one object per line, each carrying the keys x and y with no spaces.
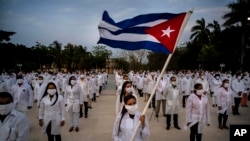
{"x":19,"y":65}
{"x":222,"y":66}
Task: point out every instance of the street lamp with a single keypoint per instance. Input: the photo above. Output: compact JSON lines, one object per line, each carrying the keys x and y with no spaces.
{"x":19,"y":65}
{"x":248,"y":18}
{"x":222,"y":66}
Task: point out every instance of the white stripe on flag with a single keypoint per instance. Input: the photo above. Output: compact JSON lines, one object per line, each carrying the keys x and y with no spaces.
{"x":129,"y":37}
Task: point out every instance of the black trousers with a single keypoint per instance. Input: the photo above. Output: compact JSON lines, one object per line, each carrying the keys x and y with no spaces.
{"x":152,"y":102}
{"x":140,"y":92}
{"x":184,"y":99}
{"x":236,"y":105}
{"x":52,"y":137}
{"x":100,"y":89}
{"x":194,"y":133}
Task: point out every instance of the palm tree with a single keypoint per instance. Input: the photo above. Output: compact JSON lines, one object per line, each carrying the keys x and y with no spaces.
{"x":57,"y":53}
{"x":201,"y":32}
{"x":239,"y":14}
{"x":215,"y":33}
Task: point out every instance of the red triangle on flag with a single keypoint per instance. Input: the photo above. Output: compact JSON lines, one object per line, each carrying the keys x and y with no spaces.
{"x":167,"y":32}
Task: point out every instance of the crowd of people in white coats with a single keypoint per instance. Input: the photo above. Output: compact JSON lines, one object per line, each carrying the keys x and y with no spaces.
{"x":53,"y":93}
{"x":176,"y":89}
{"x":57,"y":93}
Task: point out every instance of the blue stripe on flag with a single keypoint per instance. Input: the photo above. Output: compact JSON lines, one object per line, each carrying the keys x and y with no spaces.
{"x":155,"y":47}
{"x":135,"y":30}
{"x":141,"y":19}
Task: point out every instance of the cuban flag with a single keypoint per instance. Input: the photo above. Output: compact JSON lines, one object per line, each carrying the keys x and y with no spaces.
{"x":156,"y":32}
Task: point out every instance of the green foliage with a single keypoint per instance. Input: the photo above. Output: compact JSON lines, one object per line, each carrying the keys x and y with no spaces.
{"x":5,"y":35}
{"x":121,"y":64}
{"x":209,"y":46}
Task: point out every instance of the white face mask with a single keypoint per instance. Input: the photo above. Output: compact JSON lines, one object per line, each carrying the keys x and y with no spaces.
{"x":51,"y":91}
{"x":6,"y":109}
{"x":19,"y":81}
{"x":131,"y":109}
{"x":40,"y":81}
{"x":199,"y":92}
{"x":73,"y":82}
{"x":226,"y":85}
{"x":129,"y":90}
{"x":173,"y":83}
{"x":202,"y":77}
{"x":239,"y":77}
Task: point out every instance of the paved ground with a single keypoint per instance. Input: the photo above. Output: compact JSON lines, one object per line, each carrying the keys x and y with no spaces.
{"x":98,"y":126}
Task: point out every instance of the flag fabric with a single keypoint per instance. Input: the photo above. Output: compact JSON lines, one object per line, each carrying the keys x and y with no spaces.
{"x":157,"y":32}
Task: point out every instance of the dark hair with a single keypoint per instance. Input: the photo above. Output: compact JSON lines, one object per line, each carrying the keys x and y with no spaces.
{"x":172,"y":78}
{"x":19,"y":76}
{"x":123,"y":89}
{"x":45,"y":92}
{"x":217,"y":75}
{"x":124,"y":110}
{"x":224,"y":82}
{"x":6,"y":95}
{"x":197,"y":85}
{"x":71,"y":77}
{"x":40,"y":76}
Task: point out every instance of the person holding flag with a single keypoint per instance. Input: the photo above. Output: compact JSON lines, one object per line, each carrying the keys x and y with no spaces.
{"x":158,"y":32}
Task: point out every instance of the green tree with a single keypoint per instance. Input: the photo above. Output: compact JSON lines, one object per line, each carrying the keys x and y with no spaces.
{"x":56,"y":52}
{"x":5,"y":35}
{"x":240,"y":11}
{"x":200,"y":32}
{"x":100,"y":54}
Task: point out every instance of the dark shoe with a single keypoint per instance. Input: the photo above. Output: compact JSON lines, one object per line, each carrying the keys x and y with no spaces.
{"x":221,"y":126}
{"x":164,"y":115}
{"x":81,"y":116}
{"x":225,"y":127}
{"x":76,"y":129}
{"x":71,"y":129}
{"x":157,"y":115}
{"x":237,"y":113}
{"x":177,"y":127}
{"x":86,"y":116}
{"x":168,"y":127}
{"x":90,"y":107}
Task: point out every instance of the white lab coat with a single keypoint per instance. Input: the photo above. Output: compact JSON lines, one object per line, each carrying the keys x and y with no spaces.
{"x":73,"y":97}
{"x":186,"y":86}
{"x":216,"y":85}
{"x":127,"y":128}
{"x":172,"y":99}
{"x":197,"y":110}
{"x":84,"y":85}
{"x":54,"y":114}
{"x":238,"y":86}
{"x":15,"y":127}
{"x":159,"y":90}
{"x":23,"y":96}
{"x":224,"y":99}
{"x":204,"y":83}
{"x":3,"y":86}
{"x":139,"y":82}
{"x":151,"y":84}
{"x":145,"y":85}
{"x":39,"y":91}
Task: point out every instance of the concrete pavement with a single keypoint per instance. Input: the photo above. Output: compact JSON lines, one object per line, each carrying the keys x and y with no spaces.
{"x":99,"y":124}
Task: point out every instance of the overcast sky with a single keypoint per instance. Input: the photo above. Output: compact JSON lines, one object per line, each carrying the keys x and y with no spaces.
{"x":76,"y":21}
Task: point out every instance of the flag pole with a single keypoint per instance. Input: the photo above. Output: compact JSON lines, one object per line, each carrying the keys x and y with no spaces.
{"x":162,"y":71}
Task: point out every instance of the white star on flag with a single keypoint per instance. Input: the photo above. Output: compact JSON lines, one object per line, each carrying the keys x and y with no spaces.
{"x":167,"y":32}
